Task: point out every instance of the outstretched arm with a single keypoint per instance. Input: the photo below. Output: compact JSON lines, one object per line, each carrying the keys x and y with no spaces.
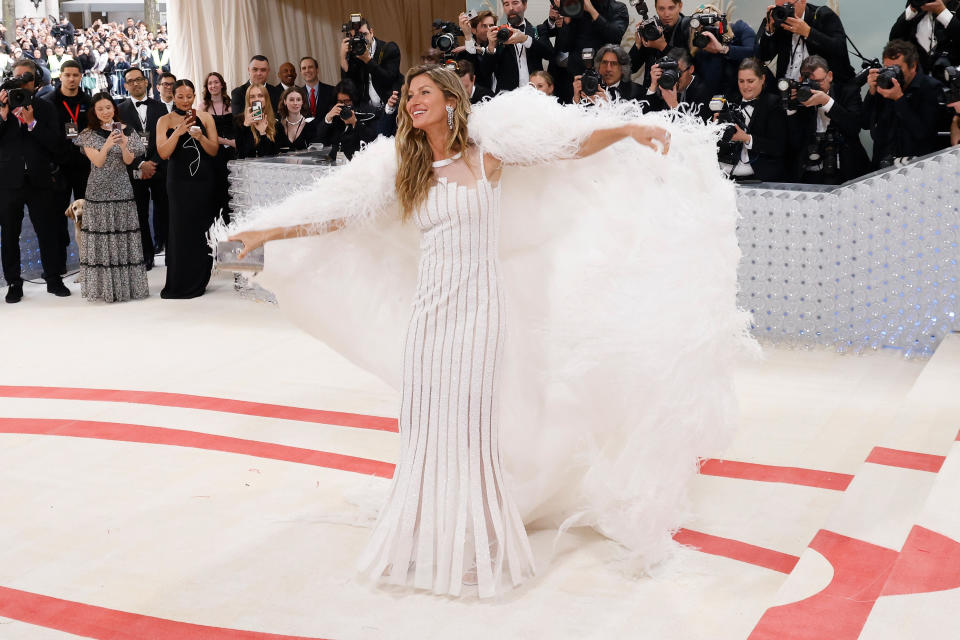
{"x":254,"y":239}
{"x":654,"y":137}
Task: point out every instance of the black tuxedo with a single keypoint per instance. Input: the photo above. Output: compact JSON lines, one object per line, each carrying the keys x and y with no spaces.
{"x":346,"y":139}
{"x":482,"y":71}
{"x":30,"y":175}
{"x":383,"y":70}
{"x":827,"y":39}
{"x":238,"y":97}
{"x":156,"y":187}
{"x":479,"y":93}
{"x":504,"y":64}
{"x":906,"y":127}
{"x":326,"y":98}
{"x":676,"y":36}
{"x":767,"y":126}
{"x":695,"y":98}
{"x":845,"y":119}
{"x":947,"y":37}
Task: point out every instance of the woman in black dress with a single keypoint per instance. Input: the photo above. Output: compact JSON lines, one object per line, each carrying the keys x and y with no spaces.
{"x":295,"y":130}
{"x":189,"y":143}
{"x":257,"y":137}
{"x":216,"y":102}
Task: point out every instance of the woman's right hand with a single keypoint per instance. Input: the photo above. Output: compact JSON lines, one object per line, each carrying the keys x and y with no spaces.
{"x":112,"y":140}
{"x":251,"y":240}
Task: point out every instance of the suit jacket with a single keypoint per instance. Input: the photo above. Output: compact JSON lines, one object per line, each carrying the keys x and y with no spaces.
{"x":676,"y":36}
{"x":627,"y":90}
{"x":503,"y":63}
{"x":326,"y":98}
{"x":584,"y":32}
{"x":479,"y":93}
{"x":483,"y":72}
{"x":34,"y":153}
{"x":768,"y":127}
{"x":347,"y":140}
{"x":238,"y":97}
{"x":695,"y":98}
{"x":845,"y":118}
{"x":948,"y":37}
{"x":155,"y":111}
{"x":827,"y":39}
{"x":719,"y":72}
{"x":383,"y":70}
{"x":905,"y":127}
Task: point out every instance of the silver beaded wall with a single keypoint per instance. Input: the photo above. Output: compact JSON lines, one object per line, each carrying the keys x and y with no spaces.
{"x":871,"y":264}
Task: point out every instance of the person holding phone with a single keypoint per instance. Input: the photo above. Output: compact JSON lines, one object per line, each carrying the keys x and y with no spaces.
{"x":112,"y":265}
{"x":188,"y":139}
{"x":258,"y":135}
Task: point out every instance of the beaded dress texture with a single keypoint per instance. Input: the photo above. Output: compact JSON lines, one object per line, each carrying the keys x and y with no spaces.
{"x":450,"y":519}
{"x":111,"y":257}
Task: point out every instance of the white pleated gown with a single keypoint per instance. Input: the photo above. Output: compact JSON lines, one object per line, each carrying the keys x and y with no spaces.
{"x":450,"y":520}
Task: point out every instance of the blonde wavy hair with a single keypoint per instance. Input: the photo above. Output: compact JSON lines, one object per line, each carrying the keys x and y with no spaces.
{"x":414,"y":157}
{"x":268,"y":114}
{"x":711,"y":8}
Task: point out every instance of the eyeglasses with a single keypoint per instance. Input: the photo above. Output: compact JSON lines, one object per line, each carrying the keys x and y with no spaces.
{"x":135,"y":80}
{"x":166,"y":84}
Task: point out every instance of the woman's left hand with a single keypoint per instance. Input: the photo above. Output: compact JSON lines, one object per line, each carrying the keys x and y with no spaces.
{"x":657,"y":138}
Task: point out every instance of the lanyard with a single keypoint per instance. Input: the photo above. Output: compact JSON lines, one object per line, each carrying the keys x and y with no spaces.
{"x":73,"y":116}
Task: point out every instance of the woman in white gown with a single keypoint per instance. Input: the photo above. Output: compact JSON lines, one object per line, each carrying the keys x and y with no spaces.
{"x":585,"y":399}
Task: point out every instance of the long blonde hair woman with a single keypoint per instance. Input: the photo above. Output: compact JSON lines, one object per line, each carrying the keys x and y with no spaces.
{"x":451,"y":519}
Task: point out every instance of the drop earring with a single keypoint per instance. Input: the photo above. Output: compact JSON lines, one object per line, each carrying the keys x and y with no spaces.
{"x":450,"y":117}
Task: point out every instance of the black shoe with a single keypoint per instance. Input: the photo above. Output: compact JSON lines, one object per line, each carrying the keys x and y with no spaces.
{"x":14,"y":293}
{"x":148,"y":265}
{"x":57,"y":288}
{"x":158,"y":248}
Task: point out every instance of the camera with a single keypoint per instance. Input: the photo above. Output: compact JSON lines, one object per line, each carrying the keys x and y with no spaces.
{"x":346,"y":112}
{"x":17,"y":96}
{"x":804,"y":89}
{"x":917,"y":5}
{"x":704,"y":23}
{"x":503,"y":34}
{"x":570,"y":8}
{"x":887,"y":75}
{"x":358,"y":43}
{"x":670,"y":73}
{"x":650,"y":28}
{"x":445,"y":38}
{"x":824,"y":152}
{"x":861,"y":78}
{"x":731,"y":116}
{"x":951,"y":78}
{"x":780,"y":14}
{"x":590,"y":81}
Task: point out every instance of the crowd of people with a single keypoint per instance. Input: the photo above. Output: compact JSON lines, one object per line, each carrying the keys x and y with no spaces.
{"x":791,"y":104}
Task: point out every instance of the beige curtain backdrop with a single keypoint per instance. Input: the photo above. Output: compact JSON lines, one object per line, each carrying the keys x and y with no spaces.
{"x":221,"y":35}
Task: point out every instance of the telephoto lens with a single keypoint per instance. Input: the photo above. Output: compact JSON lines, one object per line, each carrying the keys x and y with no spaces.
{"x":780,"y":14}
{"x":887,"y":75}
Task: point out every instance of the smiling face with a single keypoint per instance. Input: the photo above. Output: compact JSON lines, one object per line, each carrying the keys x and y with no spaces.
{"x":287,"y":74}
{"x":214,"y":86}
{"x":426,"y":103}
{"x":104,"y":110}
{"x":750,"y":84}
{"x":183,"y":97}
{"x":514,"y":10}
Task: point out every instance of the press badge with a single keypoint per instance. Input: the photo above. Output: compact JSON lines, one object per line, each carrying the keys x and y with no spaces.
{"x":71,"y":129}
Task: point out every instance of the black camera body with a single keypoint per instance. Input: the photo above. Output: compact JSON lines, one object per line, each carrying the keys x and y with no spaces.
{"x":358,"y":44}
{"x":703,"y":23}
{"x":861,"y":78}
{"x":669,"y":73}
{"x":17,"y":96}
{"x":824,"y":152}
{"x":730,"y":115}
{"x":346,"y":112}
{"x":887,"y":75}
{"x":445,"y":36}
{"x":649,"y":28}
{"x":570,"y":8}
{"x":804,"y":89}
{"x":780,"y":14}
{"x":951,"y":79}
{"x":590,"y":81}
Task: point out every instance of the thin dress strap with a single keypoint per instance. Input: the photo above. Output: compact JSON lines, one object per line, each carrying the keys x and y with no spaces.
{"x":483,"y":167}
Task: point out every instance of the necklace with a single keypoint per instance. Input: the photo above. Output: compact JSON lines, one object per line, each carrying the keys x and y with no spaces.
{"x":292,"y":123}
{"x":448,"y":161}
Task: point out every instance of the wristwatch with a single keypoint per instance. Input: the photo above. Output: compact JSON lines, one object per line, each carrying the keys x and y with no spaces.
{"x":725,"y":50}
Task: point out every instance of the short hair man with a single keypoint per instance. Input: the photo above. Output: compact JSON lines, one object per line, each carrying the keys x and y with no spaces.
{"x":318,"y":96}
{"x":375,"y":72}
{"x":811,"y":30}
{"x":258,"y":70}
{"x":468,"y":78}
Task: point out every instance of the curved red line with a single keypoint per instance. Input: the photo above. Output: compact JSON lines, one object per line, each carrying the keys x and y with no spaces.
{"x":91,"y":621}
{"x":767,"y":473}
{"x":185,"y":401}
{"x":181,"y":438}
{"x":736,"y":550}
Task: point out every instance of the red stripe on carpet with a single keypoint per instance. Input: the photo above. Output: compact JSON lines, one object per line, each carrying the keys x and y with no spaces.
{"x":768,"y":473}
{"x":736,"y":550}
{"x":180,"y":438}
{"x":185,"y":401}
{"x":91,"y":621}
{"x":906,"y":459}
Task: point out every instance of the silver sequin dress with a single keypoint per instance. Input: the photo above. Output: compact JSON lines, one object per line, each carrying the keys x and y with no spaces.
{"x":111,"y":257}
{"x":450,"y":519}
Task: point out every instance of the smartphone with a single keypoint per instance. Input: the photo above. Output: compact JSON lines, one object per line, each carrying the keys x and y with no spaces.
{"x":227,"y":257}
{"x":471,"y":14}
{"x":117,"y":127}
{"x":256,"y":110}
{"x":191,"y":113}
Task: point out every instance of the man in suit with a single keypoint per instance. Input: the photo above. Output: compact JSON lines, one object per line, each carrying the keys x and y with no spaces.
{"x":690,"y":94}
{"x":475,"y":40}
{"x":812,"y":30}
{"x":512,"y":62}
{"x":834,"y":114}
{"x":376,"y":73}
{"x":675,"y":33}
{"x":30,"y":142}
{"x":933,"y":29}
{"x":318,"y":96}
{"x":147,"y":172}
{"x":468,"y":79}
{"x":902,"y":119}
{"x":257,"y":70}
{"x":287,"y":74}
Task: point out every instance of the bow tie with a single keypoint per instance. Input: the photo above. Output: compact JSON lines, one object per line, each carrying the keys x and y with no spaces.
{"x":748,"y":103}
{"x":140,"y":103}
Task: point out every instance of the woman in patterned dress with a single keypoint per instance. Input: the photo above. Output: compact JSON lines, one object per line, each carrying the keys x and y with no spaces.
{"x":111,"y":258}
{"x":451,"y":519}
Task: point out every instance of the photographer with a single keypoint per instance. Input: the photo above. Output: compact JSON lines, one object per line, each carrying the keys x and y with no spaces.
{"x":826,"y":129}
{"x":613,"y":65}
{"x":687,"y":92}
{"x":755,"y":150}
{"x":901,"y":107}
{"x":810,"y":31}
{"x":468,"y":79}
{"x":375,"y":72}
{"x":601,"y":22}
{"x":675,"y":32}
{"x":344,"y":127}
{"x":514,"y":53}
{"x":475,"y":40}
{"x":30,"y":143}
{"x":258,"y":69}
{"x":717,"y":61}
{"x":933,"y":28}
